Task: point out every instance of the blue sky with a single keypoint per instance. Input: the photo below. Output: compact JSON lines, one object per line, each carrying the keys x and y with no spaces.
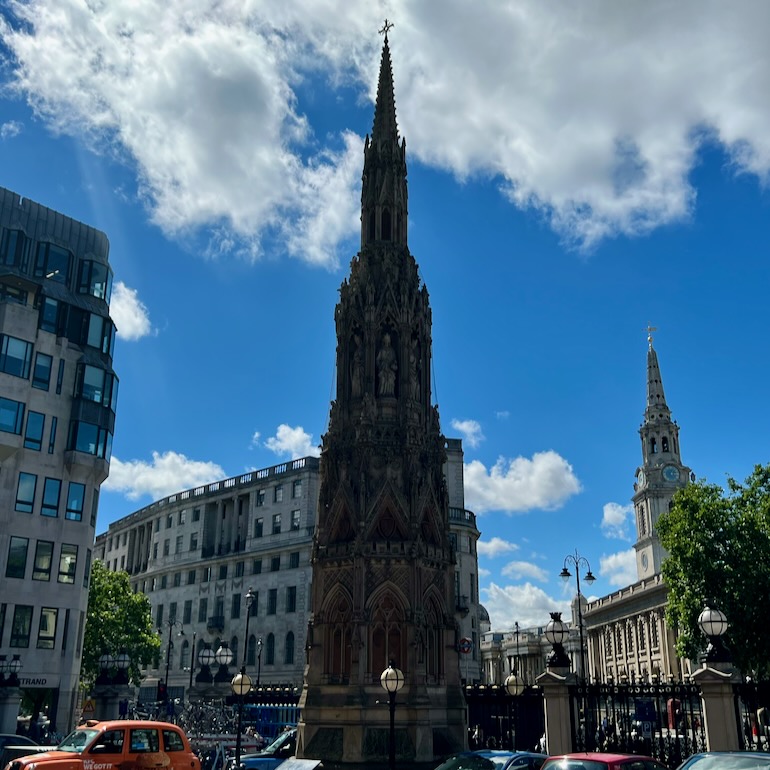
{"x":576,"y":171}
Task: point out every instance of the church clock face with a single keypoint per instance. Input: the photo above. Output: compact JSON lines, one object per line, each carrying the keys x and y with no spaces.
{"x":640,"y":478}
{"x":671,"y":473}
{"x":645,"y":562}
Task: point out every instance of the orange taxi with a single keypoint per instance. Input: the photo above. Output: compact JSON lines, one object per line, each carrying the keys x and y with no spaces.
{"x":120,"y":745}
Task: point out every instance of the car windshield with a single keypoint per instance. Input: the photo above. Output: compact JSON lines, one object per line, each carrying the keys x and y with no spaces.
{"x":468,"y":762}
{"x":77,"y":741}
{"x":574,"y":764}
{"x":727,"y":762}
{"x":282,"y":738}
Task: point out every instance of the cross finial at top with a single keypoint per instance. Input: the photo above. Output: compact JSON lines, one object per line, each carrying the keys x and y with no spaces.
{"x":650,"y":330}
{"x":386,"y":27}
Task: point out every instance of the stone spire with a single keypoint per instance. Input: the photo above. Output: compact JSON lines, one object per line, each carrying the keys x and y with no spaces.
{"x":661,"y":472}
{"x":383,"y":189}
{"x":657,"y":408}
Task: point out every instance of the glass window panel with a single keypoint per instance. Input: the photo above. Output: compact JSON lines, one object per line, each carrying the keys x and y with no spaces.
{"x":21,"y":626}
{"x":52,"y":435}
{"x":33,"y":437}
{"x":51,"y":495}
{"x":68,"y":562}
{"x":15,"y":356}
{"x":11,"y":416}
{"x":49,"y":315}
{"x":43,"y":560}
{"x":25,"y":492}
{"x":95,"y":330}
{"x":46,"y":634}
{"x":17,"y":557}
{"x":41,"y":375}
{"x":76,"y":495}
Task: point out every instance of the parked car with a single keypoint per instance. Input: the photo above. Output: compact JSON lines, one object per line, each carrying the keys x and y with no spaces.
{"x":591,"y":760}
{"x":491,"y":759}
{"x":12,"y":746}
{"x":124,"y":743}
{"x":278,"y":751}
{"x":727,"y":760}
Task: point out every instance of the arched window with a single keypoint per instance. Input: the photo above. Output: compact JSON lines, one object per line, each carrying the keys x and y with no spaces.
{"x":386,"y":640}
{"x":288,"y":649}
{"x":270,"y":650}
{"x":630,"y":639}
{"x":433,"y":649}
{"x":654,"y":640}
{"x":664,"y":443}
{"x":184,"y":657}
{"x":608,"y":642}
{"x":371,"y":226}
{"x":642,"y":631}
{"x":653,"y":445}
{"x":386,"y":235}
{"x":234,"y":649}
{"x":338,"y":647}
{"x":251,"y":655}
{"x":618,"y":641}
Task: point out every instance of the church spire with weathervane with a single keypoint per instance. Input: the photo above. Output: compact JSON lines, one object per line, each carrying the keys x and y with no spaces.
{"x":661,"y":472}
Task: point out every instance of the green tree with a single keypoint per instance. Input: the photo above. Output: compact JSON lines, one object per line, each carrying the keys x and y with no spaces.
{"x":118,"y":620}
{"x":719,"y":555}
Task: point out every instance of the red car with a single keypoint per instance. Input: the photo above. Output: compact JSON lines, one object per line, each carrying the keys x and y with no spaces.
{"x":594,"y":760}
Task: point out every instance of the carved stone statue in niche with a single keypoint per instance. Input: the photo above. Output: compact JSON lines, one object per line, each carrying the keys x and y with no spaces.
{"x":357,"y":369}
{"x":414,"y":375}
{"x":387,"y":368}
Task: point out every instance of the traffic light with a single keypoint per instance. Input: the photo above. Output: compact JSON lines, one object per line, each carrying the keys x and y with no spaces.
{"x":162,"y":692}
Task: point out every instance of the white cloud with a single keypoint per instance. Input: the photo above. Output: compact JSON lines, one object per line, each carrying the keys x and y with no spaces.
{"x":524,"y":569}
{"x":593,"y":116}
{"x":255,"y":439}
{"x":615,"y":520}
{"x":545,"y":481}
{"x":470,"y":430}
{"x":495,"y":547}
{"x":526,"y":604}
{"x":129,"y":313}
{"x":503,"y":415}
{"x":168,"y":473}
{"x":294,"y":442}
{"x":484,"y":572}
{"x":10,"y":129}
{"x":619,"y":568}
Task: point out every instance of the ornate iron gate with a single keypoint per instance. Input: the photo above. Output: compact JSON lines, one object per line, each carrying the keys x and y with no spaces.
{"x":752,"y":713}
{"x":497,"y":719}
{"x":661,"y":720}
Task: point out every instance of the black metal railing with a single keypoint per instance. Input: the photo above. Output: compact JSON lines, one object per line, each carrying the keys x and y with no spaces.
{"x":752,"y":714}
{"x":662,"y":720}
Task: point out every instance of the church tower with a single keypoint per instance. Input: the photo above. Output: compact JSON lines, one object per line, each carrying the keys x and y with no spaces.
{"x":383,"y":567}
{"x":661,"y":472}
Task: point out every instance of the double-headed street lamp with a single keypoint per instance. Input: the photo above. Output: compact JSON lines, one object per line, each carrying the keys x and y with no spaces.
{"x":578,"y":561}
{"x":241,"y":683}
{"x":172,"y":623}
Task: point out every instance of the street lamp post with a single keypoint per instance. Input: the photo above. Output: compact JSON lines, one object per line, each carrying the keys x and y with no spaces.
{"x":514,"y":686}
{"x":392,"y":680}
{"x":259,"y":659}
{"x":172,"y":623}
{"x":192,"y":659}
{"x":241,"y":683}
{"x":578,"y":561}
{"x":713,"y":623}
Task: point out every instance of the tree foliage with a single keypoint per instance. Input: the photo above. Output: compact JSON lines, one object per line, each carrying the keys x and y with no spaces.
{"x":719,"y":555}
{"x":118,"y":620}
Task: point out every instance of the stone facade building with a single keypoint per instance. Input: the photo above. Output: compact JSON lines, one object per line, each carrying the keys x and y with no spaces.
{"x":58,"y":394}
{"x":197,"y":552}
